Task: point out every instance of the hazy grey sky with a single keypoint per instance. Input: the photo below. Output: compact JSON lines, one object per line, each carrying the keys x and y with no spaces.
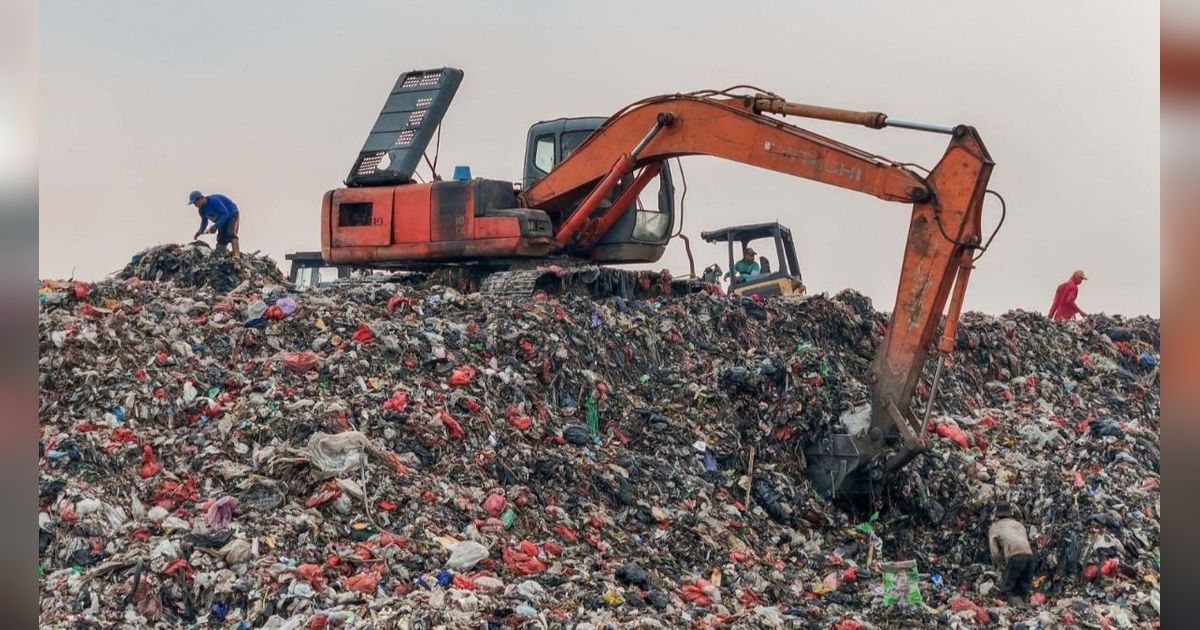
{"x":268,"y":102}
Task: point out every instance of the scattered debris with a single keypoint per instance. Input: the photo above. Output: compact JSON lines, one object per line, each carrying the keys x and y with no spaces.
{"x":373,"y":453}
{"x":197,"y":265}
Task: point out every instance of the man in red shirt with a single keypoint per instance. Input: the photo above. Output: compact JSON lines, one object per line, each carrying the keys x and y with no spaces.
{"x":1064,"y":307}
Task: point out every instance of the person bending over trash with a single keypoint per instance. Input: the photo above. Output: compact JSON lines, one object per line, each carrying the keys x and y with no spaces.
{"x":224,"y":216}
{"x":1064,"y":307}
{"x":1010,"y":549}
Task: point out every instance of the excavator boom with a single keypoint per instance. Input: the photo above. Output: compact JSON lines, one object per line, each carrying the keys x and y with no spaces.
{"x":943,"y":236}
{"x":725,"y":128}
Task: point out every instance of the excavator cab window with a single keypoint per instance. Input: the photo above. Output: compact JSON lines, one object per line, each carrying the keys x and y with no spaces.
{"x":543,"y":154}
{"x":651,"y":227}
{"x":571,"y":141}
{"x":653,"y":217}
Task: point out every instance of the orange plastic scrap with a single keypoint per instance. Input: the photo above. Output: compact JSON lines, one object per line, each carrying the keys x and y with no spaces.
{"x":328,"y":492}
{"x":962,"y":603}
{"x":313,"y":574}
{"x":363,"y":334}
{"x":453,"y":428}
{"x":397,"y":403}
{"x":950,"y":431}
{"x":300,"y":361}
{"x":365,"y":583}
{"x":521,"y":561}
{"x":150,"y":466}
{"x":698,"y":592}
{"x":461,"y":376}
{"x":397,"y":465}
{"x":494,"y":504}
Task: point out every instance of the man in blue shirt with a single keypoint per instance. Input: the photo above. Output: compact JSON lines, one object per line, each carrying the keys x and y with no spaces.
{"x":224,"y":216}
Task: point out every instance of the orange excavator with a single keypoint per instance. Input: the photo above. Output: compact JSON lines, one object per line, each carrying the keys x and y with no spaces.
{"x":579,"y":203}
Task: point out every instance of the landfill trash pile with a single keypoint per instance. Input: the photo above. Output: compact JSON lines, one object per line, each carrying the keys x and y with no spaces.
{"x":386,"y":456}
{"x":197,"y":265}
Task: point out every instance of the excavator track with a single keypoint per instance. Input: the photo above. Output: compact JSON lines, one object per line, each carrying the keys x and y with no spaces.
{"x":511,"y":283}
{"x":588,"y":280}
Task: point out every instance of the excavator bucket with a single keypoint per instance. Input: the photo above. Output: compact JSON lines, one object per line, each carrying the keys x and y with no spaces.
{"x":414,"y":109}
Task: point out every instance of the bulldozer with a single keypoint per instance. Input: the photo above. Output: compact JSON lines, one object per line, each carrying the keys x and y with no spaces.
{"x":767,"y":282}
{"x":578,"y":209}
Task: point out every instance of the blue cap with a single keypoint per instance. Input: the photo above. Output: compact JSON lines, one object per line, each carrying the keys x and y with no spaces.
{"x":193,"y":196}
{"x":462,"y":173}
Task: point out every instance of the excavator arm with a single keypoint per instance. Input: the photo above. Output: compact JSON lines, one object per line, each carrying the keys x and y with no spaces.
{"x":943,"y":236}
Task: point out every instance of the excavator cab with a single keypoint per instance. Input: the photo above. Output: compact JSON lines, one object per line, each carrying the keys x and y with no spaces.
{"x":640,"y":235}
{"x":784,"y":279}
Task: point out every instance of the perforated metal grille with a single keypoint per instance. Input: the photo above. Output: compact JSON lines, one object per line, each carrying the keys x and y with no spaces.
{"x":405,"y":138}
{"x":423,"y":79}
{"x":369,"y":163}
{"x":405,"y":127}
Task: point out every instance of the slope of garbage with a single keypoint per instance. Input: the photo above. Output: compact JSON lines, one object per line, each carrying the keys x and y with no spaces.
{"x":374,"y":455}
{"x":197,"y":265}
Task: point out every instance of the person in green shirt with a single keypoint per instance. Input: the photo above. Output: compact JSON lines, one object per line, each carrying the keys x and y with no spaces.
{"x":747,"y":267}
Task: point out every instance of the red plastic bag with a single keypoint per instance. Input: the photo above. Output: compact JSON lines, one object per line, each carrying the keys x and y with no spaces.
{"x":364,"y":583}
{"x":749,"y":598}
{"x":150,"y":465}
{"x":274,"y":313}
{"x":179,"y":566}
{"x":328,"y":492}
{"x":962,"y":603}
{"x":124,"y":435}
{"x":695,"y":593}
{"x":1037,"y":599}
{"x":494,"y":504}
{"x":363,"y":334}
{"x":398,"y":402}
{"x":463,"y":583}
{"x":452,"y":426}
{"x":848,"y":624}
{"x":522,"y":563}
{"x":565,"y":533}
{"x":81,"y":290}
{"x":397,"y":465}
{"x":950,"y":430}
{"x":300,"y":361}
{"x":1110,"y":567}
{"x":313,"y":574}
{"x":461,"y":375}
{"x":518,"y":420}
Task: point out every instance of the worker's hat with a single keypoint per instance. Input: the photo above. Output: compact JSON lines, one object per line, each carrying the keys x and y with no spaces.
{"x":750,"y":250}
{"x":1082,"y":276}
{"x":193,"y":196}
